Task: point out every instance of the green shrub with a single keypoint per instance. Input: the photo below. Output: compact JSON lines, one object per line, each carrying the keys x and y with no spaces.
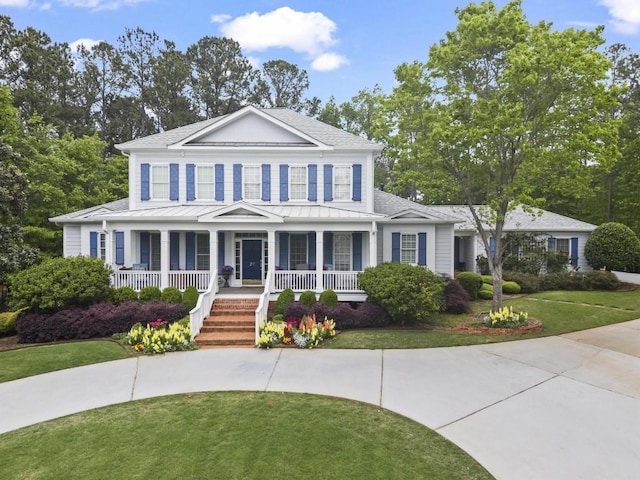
{"x":486,"y":292}
{"x":407,"y":292}
{"x":511,"y":288}
{"x":60,"y":282}
{"x":124,"y":294}
{"x":529,"y":283}
{"x":286,"y":297}
{"x":471,"y":282}
{"x":190,"y":297}
{"x":600,"y":280}
{"x":278,"y":318}
{"x":171,"y":295}
{"x":308,"y":298}
{"x":612,"y":246}
{"x":329,"y":298}
{"x":560,"y":281}
{"x":8,"y":321}
{"x":483,"y":264}
{"x":488,"y":279}
{"x":150,"y":293}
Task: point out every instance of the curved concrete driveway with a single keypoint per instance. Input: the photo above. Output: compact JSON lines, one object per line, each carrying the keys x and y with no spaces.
{"x":563,"y":407}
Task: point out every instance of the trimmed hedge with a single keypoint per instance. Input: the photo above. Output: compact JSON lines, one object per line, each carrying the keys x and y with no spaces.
{"x":366,"y":315}
{"x":286,"y":297}
{"x":486,"y":292}
{"x":171,"y":295}
{"x":329,"y":297}
{"x":308,"y":298}
{"x":471,"y":282}
{"x":510,"y":288}
{"x":123,"y":294}
{"x":190,"y":297}
{"x":99,"y":320}
{"x":529,"y":282}
{"x":150,"y":294}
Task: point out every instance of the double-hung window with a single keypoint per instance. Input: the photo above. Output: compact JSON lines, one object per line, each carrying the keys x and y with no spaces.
{"x":251,"y":182}
{"x":202,"y":251}
{"x":409,"y":248}
{"x":298,"y":183}
{"x":297,"y":249}
{"x":342,"y":251}
{"x":159,"y":179}
{"x":205,"y":182}
{"x":563,"y":246}
{"x":342,"y":182}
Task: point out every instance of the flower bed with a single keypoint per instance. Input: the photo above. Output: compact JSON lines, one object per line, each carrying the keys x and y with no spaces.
{"x":159,"y":337}
{"x":506,"y":318}
{"x":307,"y":333}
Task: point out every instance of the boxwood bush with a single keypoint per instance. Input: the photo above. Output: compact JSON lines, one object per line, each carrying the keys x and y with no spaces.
{"x":123,"y":294}
{"x":471,"y":282}
{"x":150,"y":294}
{"x":613,"y":246}
{"x":190,"y":297}
{"x":486,"y":292}
{"x":98,"y":320}
{"x":510,"y":288}
{"x":171,"y":295}
{"x":308,"y":298}
{"x":286,"y":297}
{"x":329,"y":297}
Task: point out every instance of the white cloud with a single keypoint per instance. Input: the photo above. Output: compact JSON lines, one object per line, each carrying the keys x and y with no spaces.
{"x":14,"y":3}
{"x":97,"y":5}
{"x":309,"y":33}
{"x":45,"y":6}
{"x":328,"y":61}
{"x":220,"y":18}
{"x":88,"y":43}
{"x":254,"y":61}
{"x":626,"y":15}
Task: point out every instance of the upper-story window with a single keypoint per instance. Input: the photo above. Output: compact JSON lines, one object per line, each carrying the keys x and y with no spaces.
{"x":298,"y":183}
{"x":342,"y":182}
{"x":159,"y":179}
{"x":251,"y":182}
{"x":205,"y":182}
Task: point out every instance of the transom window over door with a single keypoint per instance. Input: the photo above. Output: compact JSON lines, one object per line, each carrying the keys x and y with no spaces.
{"x":342,"y":251}
{"x":205,"y":183}
{"x":298,"y":183}
{"x":251,"y":182}
{"x":342,"y":183}
{"x":409,"y":248}
{"x":159,"y":179}
{"x":297,"y":249}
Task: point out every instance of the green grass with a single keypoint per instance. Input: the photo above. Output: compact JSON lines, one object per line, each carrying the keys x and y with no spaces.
{"x":234,"y":435}
{"x":559,"y":311}
{"x":25,"y":362}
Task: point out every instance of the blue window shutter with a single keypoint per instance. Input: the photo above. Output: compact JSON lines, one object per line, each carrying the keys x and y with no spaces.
{"x":312,"y":171}
{"x":356,"y":238}
{"x":266,"y":182}
{"x":93,"y":244}
{"x":191,"y":182}
{"x":119,"y":248}
{"x":237,"y":182}
{"x":395,"y":247}
{"x":144,"y":249}
{"x":284,"y":251}
{"x":174,"y":173}
{"x":174,"y":250}
{"x":574,"y":251}
{"x":328,"y":248}
{"x":328,"y":183}
{"x":422,"y":249}
{"x":311,"y":240}
{"x":144,"y":182}
{"x":492,"y":247}
{"x":551,"y":244}
{"x":190,"y":249}
{"x":219,"y":182}
{"x":220,"y":251}
{"x":284,"y":183}
{"x":357,"y":182}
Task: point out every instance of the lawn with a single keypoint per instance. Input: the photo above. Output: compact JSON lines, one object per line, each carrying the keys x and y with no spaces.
{"x":28,"y":361}
{"x":560,"y":312}
{"x":234,"y":435}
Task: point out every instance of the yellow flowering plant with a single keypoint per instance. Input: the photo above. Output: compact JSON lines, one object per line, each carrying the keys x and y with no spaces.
{"x":506,"y":318}
{"x":160,"y":337}
{"x":307,"y":333}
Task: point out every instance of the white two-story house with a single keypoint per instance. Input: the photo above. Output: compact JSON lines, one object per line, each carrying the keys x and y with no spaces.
{"x":280,"y":199}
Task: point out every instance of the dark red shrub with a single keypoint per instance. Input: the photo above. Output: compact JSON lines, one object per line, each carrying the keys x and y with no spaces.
{"x":346,"y":317}
{"x":296,"y":310}
{"x":457,"y":299}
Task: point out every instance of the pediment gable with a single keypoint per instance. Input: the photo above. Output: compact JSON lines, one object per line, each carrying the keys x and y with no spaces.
{"x":249,"y":128}
{"x":240,"y":212}
{"x":410,"y":214}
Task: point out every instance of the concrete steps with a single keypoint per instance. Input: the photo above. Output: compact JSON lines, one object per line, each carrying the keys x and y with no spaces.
{"x":230,"y":324}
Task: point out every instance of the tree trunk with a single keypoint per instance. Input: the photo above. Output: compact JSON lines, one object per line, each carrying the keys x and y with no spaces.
{"x":497,"y":287}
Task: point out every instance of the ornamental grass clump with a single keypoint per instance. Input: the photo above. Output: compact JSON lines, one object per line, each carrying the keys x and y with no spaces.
{"x":307,"y":333}
{"x":159,"y":337}
{"x":506,"y":318}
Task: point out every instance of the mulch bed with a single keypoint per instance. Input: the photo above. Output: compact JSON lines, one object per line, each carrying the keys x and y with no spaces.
{"x":477,"y":327}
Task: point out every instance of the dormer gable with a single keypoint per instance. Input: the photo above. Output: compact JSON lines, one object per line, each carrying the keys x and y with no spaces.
{"x":240,"y":212}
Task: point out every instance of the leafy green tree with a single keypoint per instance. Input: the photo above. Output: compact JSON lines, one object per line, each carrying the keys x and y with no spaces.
{"x":287,"y":83}
{"x":510,"y":106}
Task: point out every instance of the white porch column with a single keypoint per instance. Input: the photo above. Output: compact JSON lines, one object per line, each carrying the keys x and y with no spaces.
{"x":164,"y":259}
{"x":271,"y":252}
{"x":109,"y":259}
{"x":214,"y":268}
{"x":373,"y":245}
{"x":319,"y":261}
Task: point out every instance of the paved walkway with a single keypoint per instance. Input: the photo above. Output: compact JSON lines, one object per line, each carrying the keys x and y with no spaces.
{"x":563,"y":407}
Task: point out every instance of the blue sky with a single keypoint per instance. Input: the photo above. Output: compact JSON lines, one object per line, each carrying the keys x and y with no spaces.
{"x":345,"y":45}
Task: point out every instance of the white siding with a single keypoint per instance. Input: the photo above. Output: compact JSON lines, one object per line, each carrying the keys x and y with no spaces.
{"x":444,"y":249}
{"x":71,"y":241}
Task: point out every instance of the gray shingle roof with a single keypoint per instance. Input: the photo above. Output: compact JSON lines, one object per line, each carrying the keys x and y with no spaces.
{"x":115,"y":206}
{"x":390,"y":205}
{"x":320,"y":131}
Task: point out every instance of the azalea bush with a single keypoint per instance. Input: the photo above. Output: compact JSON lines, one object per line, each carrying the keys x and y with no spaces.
{"x":159,"y":337}
{"x":506,"y":318}
{"x":306,"y":333}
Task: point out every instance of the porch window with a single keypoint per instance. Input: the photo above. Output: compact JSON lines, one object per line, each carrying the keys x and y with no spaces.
{"x":154,"y":251}
{"x":205,"y":184}
{"x":297,"y":249}
{"x":342,"y":251}
{"x":342,"y":183}
{"x":251,"y":182}
{"x":408,"y":248}
{"x":298,"y":183}
{"x":202,"y":251}
{"x":159,"y":176}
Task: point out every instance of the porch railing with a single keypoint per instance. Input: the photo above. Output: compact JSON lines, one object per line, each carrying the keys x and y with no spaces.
{"x":138,"y":279}
{"x":203,"y":307}
{"x":301,"y":280}
{"x":183,"y":279}
{"x":263,"y":306}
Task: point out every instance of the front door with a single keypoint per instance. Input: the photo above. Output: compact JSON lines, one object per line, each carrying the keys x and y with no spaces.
{"x":252,"y":260}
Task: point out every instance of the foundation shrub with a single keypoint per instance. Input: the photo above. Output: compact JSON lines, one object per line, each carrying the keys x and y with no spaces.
{"x":123,"y":294}
{"x":486,"y":292}
{"x":529,"y":283}
{"x":98,"y":320}
{"x":286,"y":297}
{"x":308,"y":298}
{"x":150,"y":294}
{"x":600,"y":280}
{"x":456,"y":298}
{"x":329,"y":297}
{"x":296,"y":310}
{"x":190,"y":298}
{"x":510,"y":288}
{"x":345,"y":316}
{"x":171,"y":295}
{"x":471,"y":282}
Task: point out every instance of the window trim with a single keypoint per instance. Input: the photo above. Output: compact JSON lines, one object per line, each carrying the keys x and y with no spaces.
{"x":212,"y":183}
{"x":156,"y":166}
{"x":348,"y":190}
{"x":257,"y":167}
{"x":403,"y":249}
{"x":305,"y":196}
